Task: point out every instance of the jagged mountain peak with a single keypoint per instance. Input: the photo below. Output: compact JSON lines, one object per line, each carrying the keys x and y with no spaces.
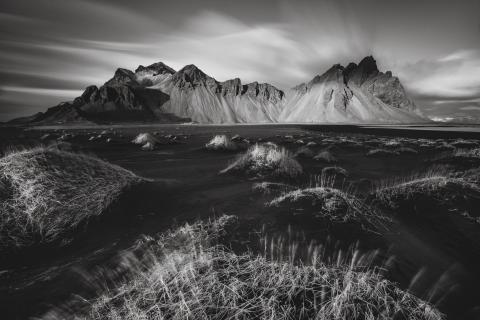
{"x":369,"y":63}
{"x":356,"y":73}
{"x":122,"y":77}
{"x":156,"y":68}
{"x":366,"y":69}
{"x":192,"y":76}
{"x":192,"y":70}
{"x":333,"y":74}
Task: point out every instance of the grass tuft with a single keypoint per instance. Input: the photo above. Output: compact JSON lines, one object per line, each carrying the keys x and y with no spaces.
{"x":144,"y":138}
{"x":435,"y":186}
{"x":335,"y":205}
{"x":382,"y":153}
{"x":46,"y":192}
{"x":222,"y":142}
{"x":266,"y":160}
{"x":272,"y":187}
{"x":193,"y":278}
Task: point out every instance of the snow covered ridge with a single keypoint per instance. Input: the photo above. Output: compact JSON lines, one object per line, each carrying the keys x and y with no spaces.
{"x":352,"y":94}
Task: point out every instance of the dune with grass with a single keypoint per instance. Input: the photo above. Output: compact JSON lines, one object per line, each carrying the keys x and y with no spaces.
{"x":331,"y":204}
{"x":450,"y":191}
{"x":266,"y":159}
{"x":190,"y":275}
{"x":47,"y":192}
{"x":224,"y":143}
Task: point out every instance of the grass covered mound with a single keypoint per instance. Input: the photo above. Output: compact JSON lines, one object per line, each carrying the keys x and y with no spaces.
{"x":146,"y":140}
{"x":266,"y":159}
{"x":46,"y":192}
{"x":191,"y":277}
{"x":433,"y":189}
{"x":223,"y":142}
{"x":332,"y":204}
{"x":267,"y":187}
{"x":143,"y":138}
{"x":460,"y":158}
{"x":382,"y":153}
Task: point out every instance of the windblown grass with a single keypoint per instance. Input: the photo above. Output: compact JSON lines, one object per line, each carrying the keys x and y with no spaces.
{"x":406,"y":150}
{"x":222,"y":142}
{"x":461,"y":143}
{"x":382,"y":153}
{"x":272,"y":187}
{"x":324,"y":201}
{"x":190,"y":277}
{"x":467,"y":153}
{"x":147,"y":140}
{"x":332,"y":204}
{"x":144,"y":138}
{"x":435,"y":186}
{"x":47,"y":192}
{"x":266,"y":160}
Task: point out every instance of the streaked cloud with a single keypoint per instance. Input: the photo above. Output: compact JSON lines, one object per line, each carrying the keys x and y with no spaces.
{"x":452,"y":77}
{"x":43,"y":92}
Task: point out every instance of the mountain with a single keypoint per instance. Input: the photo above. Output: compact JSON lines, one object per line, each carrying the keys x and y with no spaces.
{"x":352,"y":94}
{"x":125,"y":97}
{"x":197,"y":96}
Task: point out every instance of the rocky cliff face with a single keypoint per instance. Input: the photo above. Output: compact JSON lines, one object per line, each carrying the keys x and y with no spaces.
{"x":353,"y":94}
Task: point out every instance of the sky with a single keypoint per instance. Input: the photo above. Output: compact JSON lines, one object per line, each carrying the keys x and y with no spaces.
{"x":50,"y":50}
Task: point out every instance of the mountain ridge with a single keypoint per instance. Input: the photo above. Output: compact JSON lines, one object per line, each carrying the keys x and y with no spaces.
{"x":353,"y":94}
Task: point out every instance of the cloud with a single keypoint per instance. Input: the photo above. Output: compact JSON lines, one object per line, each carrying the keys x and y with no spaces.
{"x":470,"y":108}
{"x":455,"y":76}
{"x":62,"y":93}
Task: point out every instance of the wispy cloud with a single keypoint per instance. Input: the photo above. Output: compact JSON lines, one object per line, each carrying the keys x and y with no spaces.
{"x":452,"y":77}
{"x":43,"y":91}
{"x":470,"y":108}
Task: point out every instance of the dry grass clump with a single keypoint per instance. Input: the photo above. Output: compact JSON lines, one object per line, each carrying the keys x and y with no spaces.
{"x":467,"y":153}
{"x":461,"y":159}
{"x":266,"y":159}
{"x":144,"y":138}
{"x":335,"y":205}
{"x":48,"y":192}
{"x":406,"y":150}
{"x":147,"y":140}
{"x":392,"y":143}
{"x":272,"y":187}
{"x":222,"y":142}
{"x":199,"y":280}
{"x":461,"y":143}
{"x":382,"y":153}
{"x":434,"y":186}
